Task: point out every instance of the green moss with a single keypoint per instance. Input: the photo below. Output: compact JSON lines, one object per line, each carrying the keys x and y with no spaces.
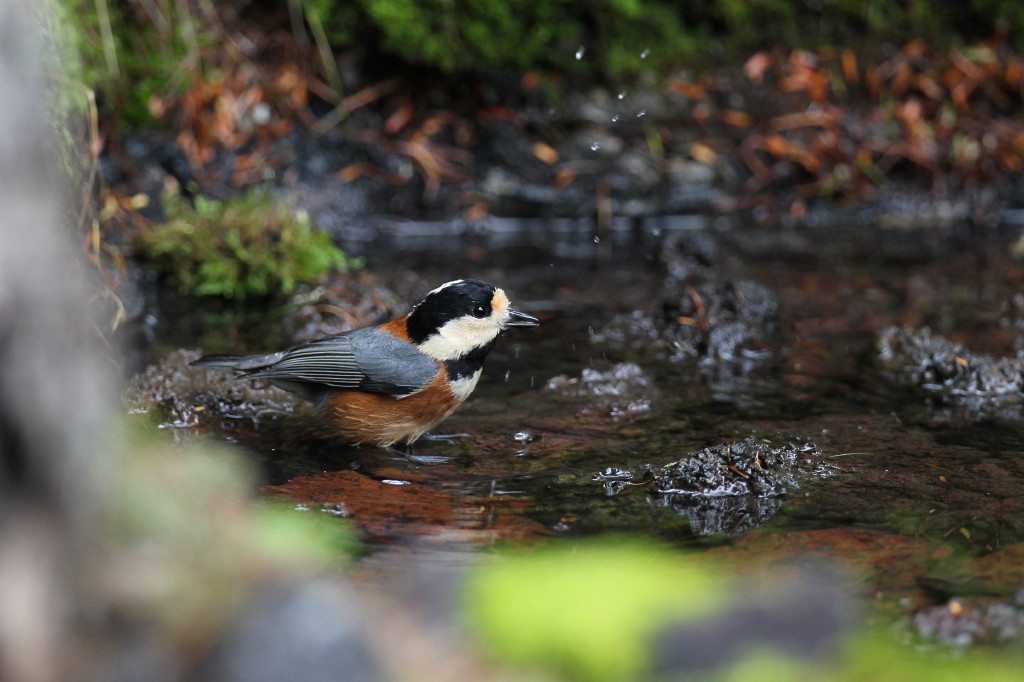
{"x":250,"y":246}
{"x":461,"y":35}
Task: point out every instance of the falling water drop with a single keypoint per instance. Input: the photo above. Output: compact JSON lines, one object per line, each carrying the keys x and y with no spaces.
{"x":622,"y":95}
{"x":645,"y":54}
{"x":615,"y":118}
{"x":580,"y":52}
{"x":597,"y":240}
{"x":594,"y":146}
{"x":641,"y":114}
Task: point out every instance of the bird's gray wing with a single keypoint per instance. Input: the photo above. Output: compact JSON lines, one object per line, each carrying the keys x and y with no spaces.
{"x":390,"y":365}
{"x":366,"y":360}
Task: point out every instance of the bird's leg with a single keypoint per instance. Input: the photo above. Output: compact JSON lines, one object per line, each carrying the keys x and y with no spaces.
{"x":417,"y":459}
{"x":444,"y":437}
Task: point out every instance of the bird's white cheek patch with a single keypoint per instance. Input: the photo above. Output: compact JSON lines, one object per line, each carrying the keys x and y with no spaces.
{"x":462,"y":387}
{"x":458,"y":337}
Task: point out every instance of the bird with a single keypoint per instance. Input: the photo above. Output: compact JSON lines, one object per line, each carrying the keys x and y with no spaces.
{"x":396,"y":381}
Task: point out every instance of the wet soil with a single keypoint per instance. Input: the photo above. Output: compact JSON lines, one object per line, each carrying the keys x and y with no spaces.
{"x":924,"y":493}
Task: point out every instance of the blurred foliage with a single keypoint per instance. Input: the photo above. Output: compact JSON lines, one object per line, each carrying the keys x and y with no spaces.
{"x":599,"y":610}
{"x":249,"y":246}
{"x":616,"y":38}
{"x":587,"y":610}
{"x":137,"y":53}
{"x":132,"y":53}
{"x":606,"y":38}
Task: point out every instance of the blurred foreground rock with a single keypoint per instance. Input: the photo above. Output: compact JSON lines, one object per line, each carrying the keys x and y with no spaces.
{"x":124,"y":560}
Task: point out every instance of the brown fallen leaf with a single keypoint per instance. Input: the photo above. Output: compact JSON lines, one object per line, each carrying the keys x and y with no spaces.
{"x":545,"y":152}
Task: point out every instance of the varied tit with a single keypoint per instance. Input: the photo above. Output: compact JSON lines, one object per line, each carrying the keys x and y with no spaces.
{"x":396,"y":381}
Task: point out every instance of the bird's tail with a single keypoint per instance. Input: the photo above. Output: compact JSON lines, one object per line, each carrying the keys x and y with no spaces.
{"x":240,"y":364}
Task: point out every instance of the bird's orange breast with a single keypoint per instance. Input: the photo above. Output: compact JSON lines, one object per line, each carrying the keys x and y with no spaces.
{"x":385,"y":420}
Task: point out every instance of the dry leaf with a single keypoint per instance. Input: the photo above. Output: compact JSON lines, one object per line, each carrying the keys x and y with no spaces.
{"x":848,"y":62}
{"x":755,"y":67}
{"x":703,"y":153}
{"x":564,"y":178}
{"x":545,"y":152}
{"x":475,"y":213}
{"x":399,"y":118}
{"x":736,"y":119}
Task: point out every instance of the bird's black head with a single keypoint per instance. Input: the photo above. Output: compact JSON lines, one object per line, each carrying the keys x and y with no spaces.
{"x":462,"y":316}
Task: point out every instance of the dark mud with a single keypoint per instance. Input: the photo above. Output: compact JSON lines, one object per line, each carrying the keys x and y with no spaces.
{"x":627,"y":378}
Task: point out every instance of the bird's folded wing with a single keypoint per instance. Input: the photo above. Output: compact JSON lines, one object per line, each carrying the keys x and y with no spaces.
{"x":366,"y":360}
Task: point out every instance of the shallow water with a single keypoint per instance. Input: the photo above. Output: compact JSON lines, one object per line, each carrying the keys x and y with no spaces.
{"x":925,"y":498}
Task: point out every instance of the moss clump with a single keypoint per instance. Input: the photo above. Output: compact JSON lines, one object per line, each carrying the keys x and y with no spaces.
{"x":249,"y":246}
{"x":623,"y":38}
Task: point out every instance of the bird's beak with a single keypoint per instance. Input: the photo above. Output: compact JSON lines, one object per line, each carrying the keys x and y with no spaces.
{"x":518,"y":319}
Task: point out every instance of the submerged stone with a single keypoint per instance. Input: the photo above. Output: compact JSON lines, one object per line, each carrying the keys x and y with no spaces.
{"x":622,"y":391}
{"x":727,"y":328}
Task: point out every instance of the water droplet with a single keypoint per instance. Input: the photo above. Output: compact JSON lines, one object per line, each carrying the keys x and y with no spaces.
{"x":641,"y":113}
{"x":622,"y":95}
{"x":580,"y":52}
{"x":646,"y":53}
{"x":597,"y":240}
{"x":507,"y":373}
{"x":615,"y":118}
{"x":594,"y":146}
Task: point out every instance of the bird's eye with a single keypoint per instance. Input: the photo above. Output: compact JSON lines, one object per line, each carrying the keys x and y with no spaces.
{"x":481,"y":311}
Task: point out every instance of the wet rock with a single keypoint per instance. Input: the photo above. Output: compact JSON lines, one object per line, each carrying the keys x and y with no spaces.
{"x":724,"y":489}
{"x":958,"y":623}
{"x":727,"y":327}
{"x":620,"y":392}
{"x":312,"y":631}
{"x":801,"y":613}
{"x":948,"y":371}
{"x":179,"y":394}
{"x":748,"y":467}
{"x":728,"y":489}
